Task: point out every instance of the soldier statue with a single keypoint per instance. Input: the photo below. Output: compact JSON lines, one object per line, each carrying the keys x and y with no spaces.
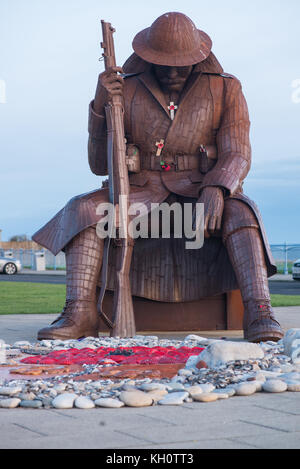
{"x":189,"y":123}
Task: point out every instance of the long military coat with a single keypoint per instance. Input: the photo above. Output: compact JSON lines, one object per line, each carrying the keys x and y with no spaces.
{"x":212,"y":111}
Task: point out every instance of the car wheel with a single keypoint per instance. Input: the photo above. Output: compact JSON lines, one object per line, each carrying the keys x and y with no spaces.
{"x":297,"y":279}
{"x":10,"y":268}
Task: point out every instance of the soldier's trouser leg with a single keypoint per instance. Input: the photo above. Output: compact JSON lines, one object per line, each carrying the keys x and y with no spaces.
{"x":83,"y":263}
{"x":244,"y":245}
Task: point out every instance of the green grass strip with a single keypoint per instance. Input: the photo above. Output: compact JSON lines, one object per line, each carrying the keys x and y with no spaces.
{"x":285,"y":300}
{"x":39,"y":298}
{"x":31,"y":298}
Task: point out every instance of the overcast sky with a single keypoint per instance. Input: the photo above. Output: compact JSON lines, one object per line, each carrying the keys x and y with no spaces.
{"x":49,"y":65}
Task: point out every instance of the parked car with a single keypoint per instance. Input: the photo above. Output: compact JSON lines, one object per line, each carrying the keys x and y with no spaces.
{"x":296,"y":270}
{"x":10,"y":266}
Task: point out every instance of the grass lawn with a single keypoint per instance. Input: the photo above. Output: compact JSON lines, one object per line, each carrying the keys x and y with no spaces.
{"x":285,"y":300}
{"x":37,"y":298}
{"x":33,"y":298}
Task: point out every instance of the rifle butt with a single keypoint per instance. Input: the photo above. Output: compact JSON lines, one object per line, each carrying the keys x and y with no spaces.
{"x":123,"y":314}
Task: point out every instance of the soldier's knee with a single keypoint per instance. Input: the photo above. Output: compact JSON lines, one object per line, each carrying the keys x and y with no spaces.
{"x":237,"y":215}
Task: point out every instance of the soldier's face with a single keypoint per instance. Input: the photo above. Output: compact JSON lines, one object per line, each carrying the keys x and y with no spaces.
{"x":172,"y":78}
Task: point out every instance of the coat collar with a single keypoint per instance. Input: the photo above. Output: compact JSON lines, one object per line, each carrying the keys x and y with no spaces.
{"x":149,"y":80}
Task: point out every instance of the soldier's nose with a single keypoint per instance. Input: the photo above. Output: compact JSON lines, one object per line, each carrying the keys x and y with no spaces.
{"x":172,"y":72}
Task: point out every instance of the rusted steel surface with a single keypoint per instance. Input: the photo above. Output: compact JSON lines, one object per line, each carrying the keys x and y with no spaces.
{"x":209,"y":125}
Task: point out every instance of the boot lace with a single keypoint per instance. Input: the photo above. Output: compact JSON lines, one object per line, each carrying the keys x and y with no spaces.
{"x":66,"y":313}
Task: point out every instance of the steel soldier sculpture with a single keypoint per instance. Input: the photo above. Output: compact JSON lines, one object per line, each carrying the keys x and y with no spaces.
{"x":188,"y":122}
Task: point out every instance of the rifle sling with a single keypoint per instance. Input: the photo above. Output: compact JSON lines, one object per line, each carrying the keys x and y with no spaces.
{"x":104,"y":272}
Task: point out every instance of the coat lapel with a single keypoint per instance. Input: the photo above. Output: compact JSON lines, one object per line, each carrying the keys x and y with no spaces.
{"x":150,"y":82}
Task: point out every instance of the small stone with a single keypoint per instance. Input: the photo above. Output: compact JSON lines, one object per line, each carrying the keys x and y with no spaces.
{"x":64,"y":401}
{"x":185,"y":372}
{"x":35,"y":404}
{"x":192,"y":390}
{"x":174,"y":398}
{"x":135,"y":398}
{"x":10,"y":390}
{"x":60,"y":387}
{"x":109,"y":402}
{"x":152,"y":386}
{"x":268,"y":374}
{"x":83,"y":402}
{"x":246,"y":389}
{"x":292,"y":376}
{"x":22,"y":344}
{"x":199,"y":339}
{"x":260,"y":377}
{"x":293,"y":386}
{"x":157,"y":394}
{"x":46,"y":343}
{"x":287,"y":368}
{"x":47,"y":401}
{"x":26,"y":396}
{"x":128,"y":387}
{"x":206,"y":397}
{"x":188,"y":400}
{"x":230,"y":391}
{"x":274,"y":385}
{"x":9,"y":403}
{"x":207,"y":387}
{"x":175,"y":387}
{"x":201,"y":364}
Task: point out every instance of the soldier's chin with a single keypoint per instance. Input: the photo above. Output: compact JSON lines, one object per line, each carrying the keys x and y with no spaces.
{"x":174,"y":86}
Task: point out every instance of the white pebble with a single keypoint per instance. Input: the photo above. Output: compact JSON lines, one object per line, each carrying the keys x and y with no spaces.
{"x":206,"y":397}
{"x":229,"y":390}
{"x":274,"y":385}
{"x":158,"y":394}
{"x":9,"y":403}
{"x":64,"y":401}
{"x":21,"y":344}
{"x":174,"y":398}
{"x":293,"y":386}
{"x":245,"y":389}
{"x":185,"y":372}
{"x":83,"y":402}
{"x":152,"y":386}
{"x":135,"y":398}
{"x":10,"y":390}
{"x":192,"y":390}
{"x":207,"y":387}
{"x":109,"y":402}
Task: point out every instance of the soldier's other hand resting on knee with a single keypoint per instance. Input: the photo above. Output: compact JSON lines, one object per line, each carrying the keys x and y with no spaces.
{"x":213,"y":200}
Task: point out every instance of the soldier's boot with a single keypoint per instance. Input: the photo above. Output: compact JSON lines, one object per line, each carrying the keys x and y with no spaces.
{"x":79,"y":317}
{"x":246,"y":253}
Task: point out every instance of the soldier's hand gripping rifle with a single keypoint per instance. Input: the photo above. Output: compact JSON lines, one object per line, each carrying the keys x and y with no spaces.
{"x":123,"y":324}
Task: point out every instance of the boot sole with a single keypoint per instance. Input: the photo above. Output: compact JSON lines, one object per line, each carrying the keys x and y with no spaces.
{"x":264,"y":337}
{"x":53,"y":336}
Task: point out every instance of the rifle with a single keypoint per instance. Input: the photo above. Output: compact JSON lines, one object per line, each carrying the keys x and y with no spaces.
{"x":123,"y":323}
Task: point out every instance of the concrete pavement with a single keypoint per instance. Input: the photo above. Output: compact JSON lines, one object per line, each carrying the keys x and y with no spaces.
{"x":261,"y":421}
